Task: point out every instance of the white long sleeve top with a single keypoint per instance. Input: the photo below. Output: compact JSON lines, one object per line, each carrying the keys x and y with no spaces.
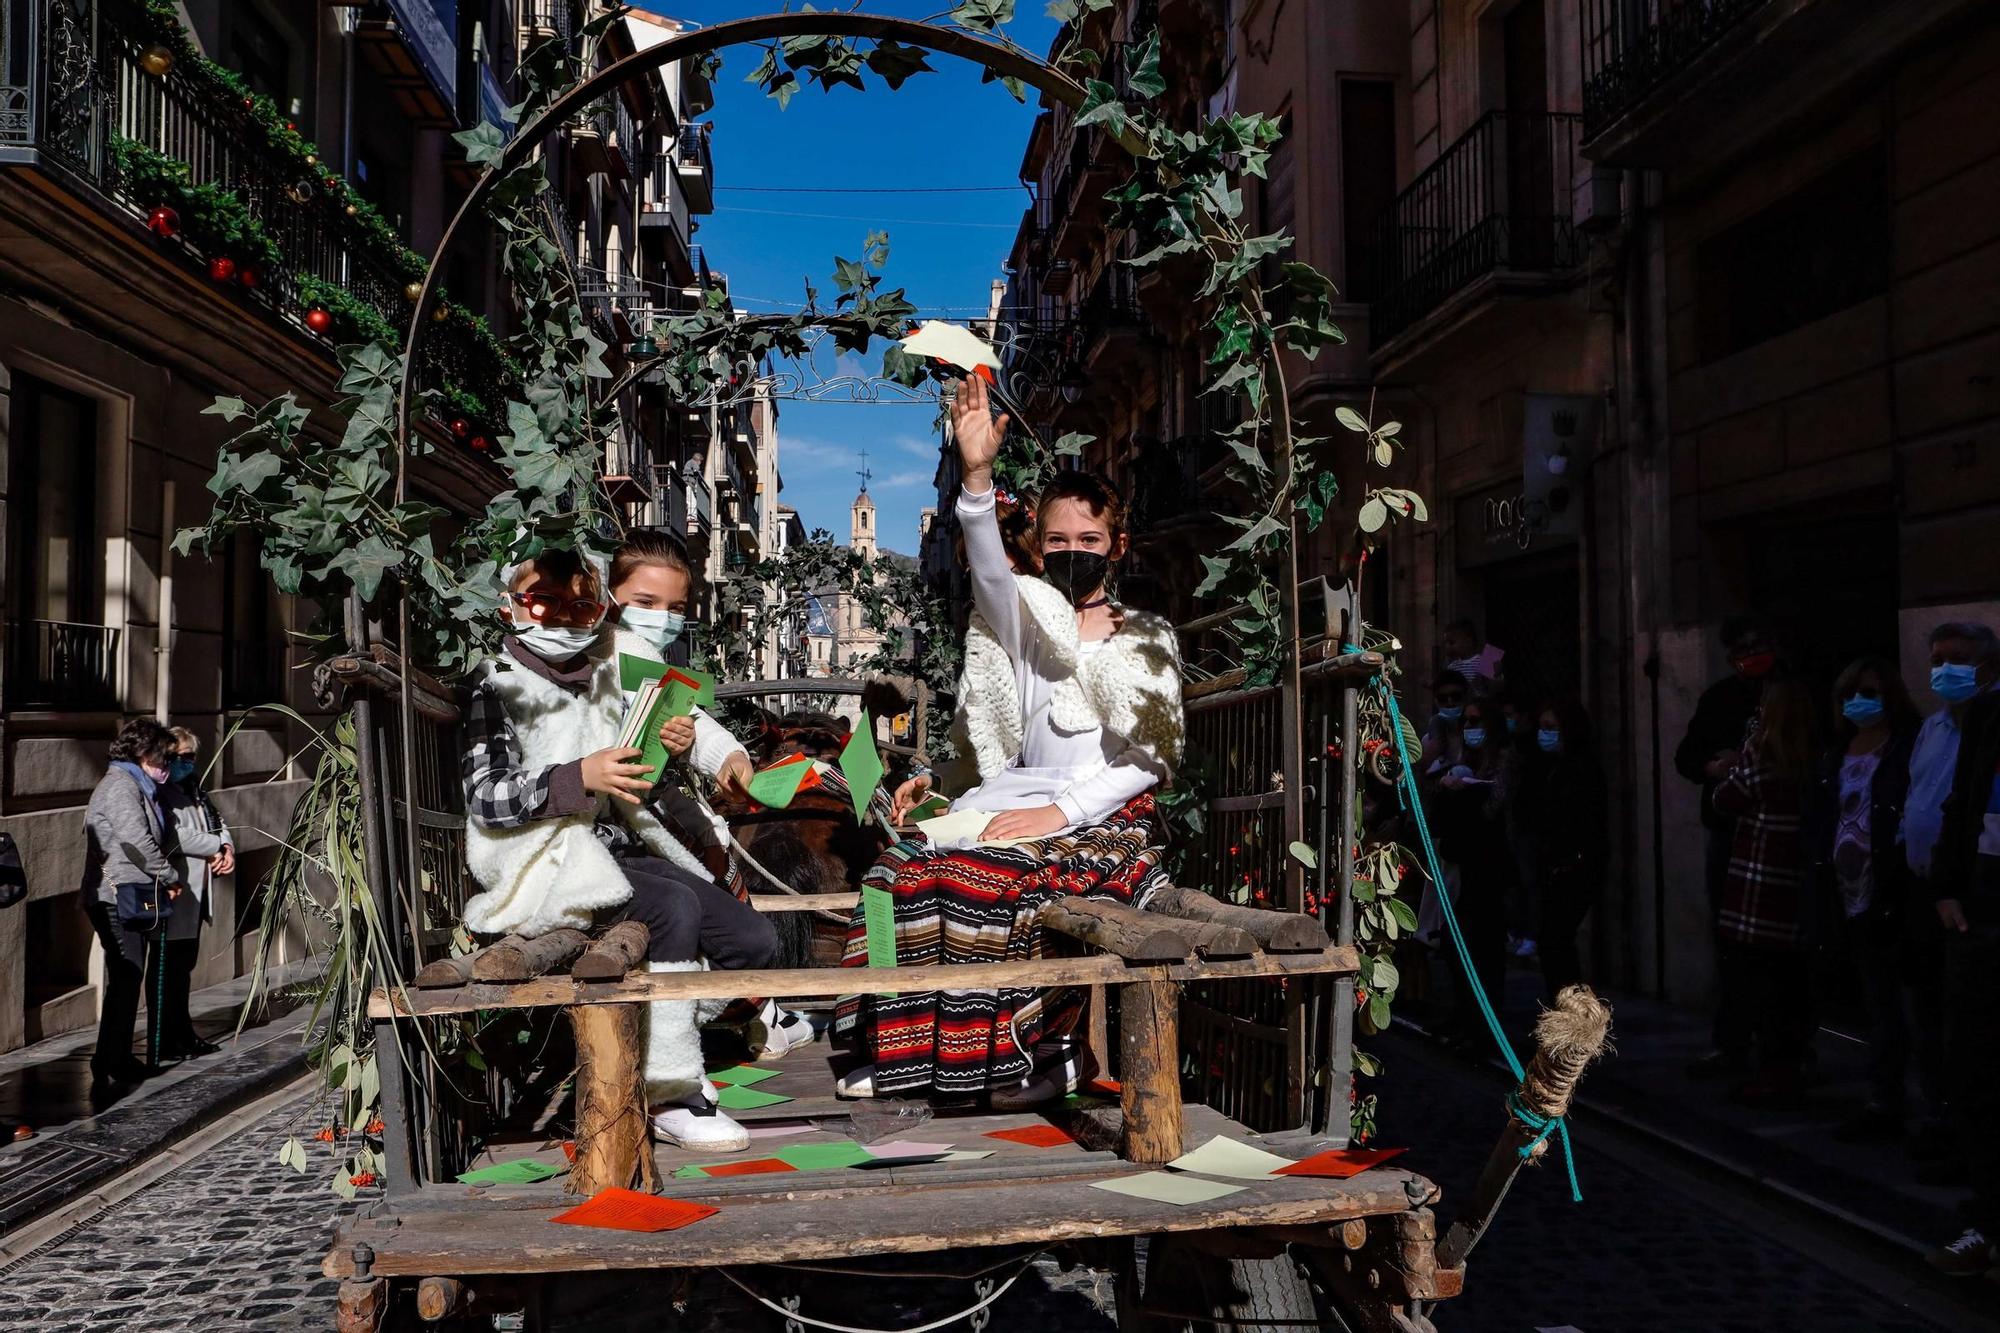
{"x":1087,"y":774}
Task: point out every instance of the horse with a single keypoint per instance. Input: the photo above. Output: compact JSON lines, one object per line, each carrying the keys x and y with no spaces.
{"x":813,"y":845}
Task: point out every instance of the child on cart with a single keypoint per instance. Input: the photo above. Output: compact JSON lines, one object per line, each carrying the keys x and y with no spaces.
{"x":558,"y":832}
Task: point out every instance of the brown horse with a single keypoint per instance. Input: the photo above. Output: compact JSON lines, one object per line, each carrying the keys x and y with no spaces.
{"x":814,"y":845}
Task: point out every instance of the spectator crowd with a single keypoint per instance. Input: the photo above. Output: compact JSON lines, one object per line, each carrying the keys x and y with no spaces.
{"x":1851,"y":867}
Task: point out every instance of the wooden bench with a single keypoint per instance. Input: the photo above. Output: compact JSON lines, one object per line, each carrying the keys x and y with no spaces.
{"x":1147,"y":955}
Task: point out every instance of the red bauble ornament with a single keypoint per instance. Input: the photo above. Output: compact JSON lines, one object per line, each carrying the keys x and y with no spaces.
{"x":247,"y":276}
{"x":461,"y":427}
{"x":222,"y":268}
{"x":480,"y":444}
{"x":319,"y":319}
{"x":249,"y":104}
{"x":293,"y":128}
{"x":163,"y":222}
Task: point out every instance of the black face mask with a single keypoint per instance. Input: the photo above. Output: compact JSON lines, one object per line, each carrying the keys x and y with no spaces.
{"x":1076,"y":574}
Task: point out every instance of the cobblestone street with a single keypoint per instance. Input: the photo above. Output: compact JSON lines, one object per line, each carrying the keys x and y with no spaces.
{"x":232,"y":1238}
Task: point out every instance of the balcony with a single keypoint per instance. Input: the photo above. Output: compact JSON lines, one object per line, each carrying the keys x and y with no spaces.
{"x":78,"y":108}
{"x":1114,"y":330}
{"x":617,"y":300}
{"x":55,"y":666}
{"x":604,"y":140}
{"x":697,"y":169}
{"x":1494,"y":211}
{"x":548,"y":20}
{"x":1078,"y":197}
{"x":1681,"y":83}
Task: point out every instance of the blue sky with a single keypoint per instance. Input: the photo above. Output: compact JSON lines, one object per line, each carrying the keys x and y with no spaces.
{"x":945,"y":248}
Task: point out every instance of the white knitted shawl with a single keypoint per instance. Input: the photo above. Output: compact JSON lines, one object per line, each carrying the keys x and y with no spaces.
{"x":1131,"y":686}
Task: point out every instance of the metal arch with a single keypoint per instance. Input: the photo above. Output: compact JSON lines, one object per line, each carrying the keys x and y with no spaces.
{"x":1002,"y":60}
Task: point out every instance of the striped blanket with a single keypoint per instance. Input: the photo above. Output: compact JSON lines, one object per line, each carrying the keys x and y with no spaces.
{"x":978,"y":906}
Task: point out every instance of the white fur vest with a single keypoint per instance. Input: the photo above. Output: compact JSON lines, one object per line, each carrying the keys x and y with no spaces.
{"x":554,"y":872}
{"x":1131,"y":686}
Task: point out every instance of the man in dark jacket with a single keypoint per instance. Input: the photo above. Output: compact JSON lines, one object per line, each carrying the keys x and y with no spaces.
{"x":1965,"y":878}
{"x":1710,"y":749}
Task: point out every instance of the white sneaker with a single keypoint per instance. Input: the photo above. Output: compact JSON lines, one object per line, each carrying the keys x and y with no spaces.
{"x":784,"y":1031}
{"x":700,"y":1125}
{"x":856,"y":1085}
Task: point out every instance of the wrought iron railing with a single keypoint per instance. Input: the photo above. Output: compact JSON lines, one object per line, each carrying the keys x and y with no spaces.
{"x":1112,"y":306}
{"x":1497,"y":198}
{"x":58,"y":666}
{"x":73,"y":88}
{"x":1631,"y":47}
{"x":550,"y":18}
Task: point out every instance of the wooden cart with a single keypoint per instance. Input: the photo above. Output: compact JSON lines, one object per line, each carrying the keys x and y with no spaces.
{"x":1360,"y":1253}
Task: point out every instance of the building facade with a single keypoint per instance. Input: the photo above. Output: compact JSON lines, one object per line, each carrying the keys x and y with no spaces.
{"x":1688,"y":310}
{"x":325,"y":130}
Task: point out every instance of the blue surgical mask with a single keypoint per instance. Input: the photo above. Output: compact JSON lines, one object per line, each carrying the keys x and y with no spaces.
{"x":180,"y":770}
{"x":659,"y":628}
{"x":1550,"y":740}
{"x":1475,"y":737}
{"x":1451,"y":714}
{"x":1861,"y":711}
{"x":1954,"y":682}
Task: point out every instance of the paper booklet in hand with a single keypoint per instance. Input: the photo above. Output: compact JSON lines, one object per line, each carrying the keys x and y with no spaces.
{"x":670,"y":694}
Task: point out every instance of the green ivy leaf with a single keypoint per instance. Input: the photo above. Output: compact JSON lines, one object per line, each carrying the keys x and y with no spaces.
{"x":983,"y":15}
{"x":245,"y":474}
{"x":1351,"y":419}
{"x":1142,"y":68}
{"x":1072,"y":444}
{"x":484,"y":144}
{"x":1101,"y":107}
{"x":1373,"y":515}
{"x":365,"y":565}
{"x":1304,"y":855}
{"x":229,"y":409}
{"x":895,"y":62}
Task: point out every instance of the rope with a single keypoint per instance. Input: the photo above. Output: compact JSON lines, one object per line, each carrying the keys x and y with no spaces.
{"x":794,"y":1315}
{"x":1541,"y":1126}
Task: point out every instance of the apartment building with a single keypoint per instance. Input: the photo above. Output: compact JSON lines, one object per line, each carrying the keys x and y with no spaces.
{"x":1688,"y":309}
{"x":322,"y":134}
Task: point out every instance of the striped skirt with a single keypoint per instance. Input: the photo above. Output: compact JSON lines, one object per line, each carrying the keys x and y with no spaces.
{"x":978,"y":906}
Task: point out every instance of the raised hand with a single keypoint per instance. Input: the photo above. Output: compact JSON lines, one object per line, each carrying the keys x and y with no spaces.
{"x":977,"y":431}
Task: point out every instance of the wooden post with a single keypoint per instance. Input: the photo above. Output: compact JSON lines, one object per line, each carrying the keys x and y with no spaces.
{"x":1149,"y":1022}
{"x":363,"y":1304}
{"x":1097,"y":1030}
{"x":613,"y":1149}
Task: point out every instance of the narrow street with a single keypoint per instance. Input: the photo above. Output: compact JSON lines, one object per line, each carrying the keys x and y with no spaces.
{"x":230,"y":1237}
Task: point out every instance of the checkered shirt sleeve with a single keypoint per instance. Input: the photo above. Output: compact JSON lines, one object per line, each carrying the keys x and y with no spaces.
{"x":500,"y":791}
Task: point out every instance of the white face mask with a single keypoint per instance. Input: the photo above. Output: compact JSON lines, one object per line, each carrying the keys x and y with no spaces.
{"x":555,"y":643}
{"x":659,"y":628}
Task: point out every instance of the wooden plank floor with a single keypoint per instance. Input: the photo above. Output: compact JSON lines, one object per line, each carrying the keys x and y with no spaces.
{"x":1019,"y":1194}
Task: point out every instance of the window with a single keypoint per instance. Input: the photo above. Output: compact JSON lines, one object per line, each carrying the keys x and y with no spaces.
{"x":1277,"y":194}
{"x":1367,"y":178}
{"x":59,"y":655}
{"x":260,"y":54}
{"x":253,"y":653}
{"x":1821,"y":249}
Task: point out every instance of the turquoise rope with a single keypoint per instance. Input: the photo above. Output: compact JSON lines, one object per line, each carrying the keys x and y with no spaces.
{"x":1542,"y":1126}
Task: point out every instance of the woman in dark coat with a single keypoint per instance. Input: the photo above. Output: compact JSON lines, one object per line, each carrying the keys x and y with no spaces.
{"x":1561,"y":812}
{"x":1859,"y":879}
{"x":1473,"y":801}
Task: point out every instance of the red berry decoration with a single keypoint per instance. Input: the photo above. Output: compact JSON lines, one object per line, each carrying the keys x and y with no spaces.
{"x":249,"y":104}
{"x":481,"y":445}
{"x":319,"y":319}
{"x":222,"y":268}
{"x":461,"y":427}
{"x":247,"y":276}
{"x":163,"y":222}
